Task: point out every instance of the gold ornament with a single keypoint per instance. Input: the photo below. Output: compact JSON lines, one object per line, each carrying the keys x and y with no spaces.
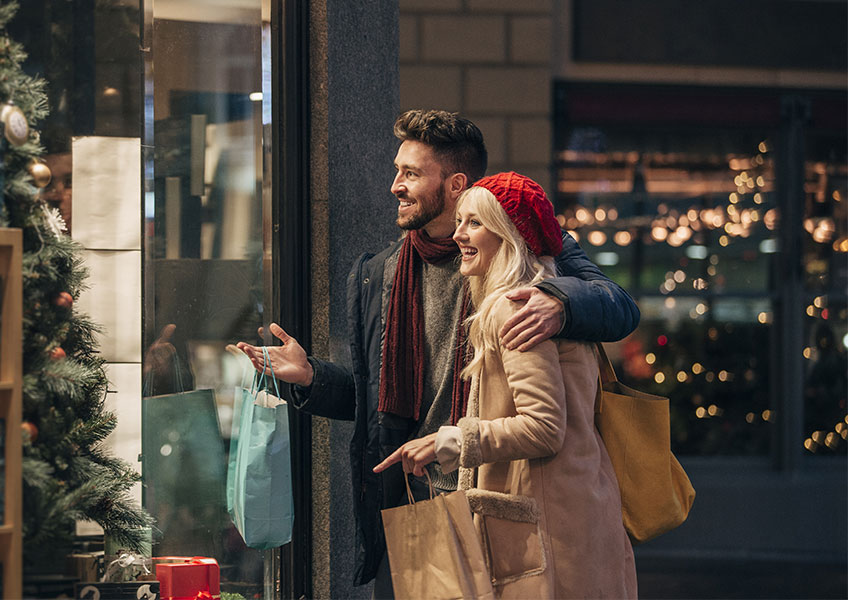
{"x":41,"y":174}
{"x":15,"y":126}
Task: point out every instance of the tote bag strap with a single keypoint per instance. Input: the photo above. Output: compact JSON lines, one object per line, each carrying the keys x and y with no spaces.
{"x":606,"y":374}
{"x":605,"y":366}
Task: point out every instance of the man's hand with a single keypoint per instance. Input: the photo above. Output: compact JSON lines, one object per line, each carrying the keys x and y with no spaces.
{"x":159,"y":357}
{"x":539,"y":319}
{"x":415,"y":454}
{"x":288,"y":361}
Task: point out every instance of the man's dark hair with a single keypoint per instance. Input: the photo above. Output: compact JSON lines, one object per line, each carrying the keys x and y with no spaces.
{"x":457,"y":142}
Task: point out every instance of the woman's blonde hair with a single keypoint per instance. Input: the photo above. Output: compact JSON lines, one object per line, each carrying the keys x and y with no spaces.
{"x":513,"y":266}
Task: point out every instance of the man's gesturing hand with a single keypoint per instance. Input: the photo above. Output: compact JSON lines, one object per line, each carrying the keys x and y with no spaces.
{"x":539,"y":319}
{"x":415,"y":454}
{"x":288,"y":361}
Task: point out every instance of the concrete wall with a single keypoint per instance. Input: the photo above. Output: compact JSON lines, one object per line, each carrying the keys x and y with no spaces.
{"x":491,"y":61}
{"x":354,"y":103}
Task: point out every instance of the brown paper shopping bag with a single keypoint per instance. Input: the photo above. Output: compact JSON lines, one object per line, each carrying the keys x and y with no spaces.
{"x":434,"y":550}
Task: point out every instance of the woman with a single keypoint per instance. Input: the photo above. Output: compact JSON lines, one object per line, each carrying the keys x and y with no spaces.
{"x":537,"y":475}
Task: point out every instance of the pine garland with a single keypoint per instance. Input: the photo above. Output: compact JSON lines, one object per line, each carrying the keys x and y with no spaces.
{"x":68,"y":474}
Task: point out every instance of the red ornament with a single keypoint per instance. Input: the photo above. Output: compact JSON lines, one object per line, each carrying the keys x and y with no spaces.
{"x":30,"y":431}
{"x":64,"y":300}
{"x":57,"y":353}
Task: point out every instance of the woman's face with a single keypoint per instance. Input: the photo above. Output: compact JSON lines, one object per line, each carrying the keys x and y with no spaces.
{"x":477,"y":244}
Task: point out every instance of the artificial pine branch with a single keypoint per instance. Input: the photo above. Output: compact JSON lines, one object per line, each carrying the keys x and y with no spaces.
{"x":87,"y":433}
{"x":36,"y":473}
{"x":7,"y":11}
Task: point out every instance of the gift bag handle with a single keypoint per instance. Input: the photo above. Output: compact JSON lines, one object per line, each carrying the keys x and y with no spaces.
{"x":266,"y":360}
{"x":259,"y":382}
{"x":147,"y":384}
{"x":409,"y":489}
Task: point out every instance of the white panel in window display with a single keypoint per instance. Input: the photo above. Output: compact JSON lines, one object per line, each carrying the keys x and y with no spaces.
{"x":106,"y":193}
{"x":114,"y":302}
{"x":125,"y":402}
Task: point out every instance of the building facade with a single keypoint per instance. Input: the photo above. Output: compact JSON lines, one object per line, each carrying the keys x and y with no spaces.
{"x":224,"y":163}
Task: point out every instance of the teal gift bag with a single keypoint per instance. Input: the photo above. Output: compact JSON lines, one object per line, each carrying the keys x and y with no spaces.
{"x":259,"y":481}
{"x":183,"y":463}
{"x":239,"y":395}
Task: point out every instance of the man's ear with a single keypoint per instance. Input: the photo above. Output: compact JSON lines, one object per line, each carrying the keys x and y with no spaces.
{"x":457,"y":183}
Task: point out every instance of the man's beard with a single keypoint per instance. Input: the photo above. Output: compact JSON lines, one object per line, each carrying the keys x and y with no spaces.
{"x":427,"y":211}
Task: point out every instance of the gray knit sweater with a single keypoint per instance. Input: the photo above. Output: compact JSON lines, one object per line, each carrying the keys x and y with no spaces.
{"x":441,"y":294}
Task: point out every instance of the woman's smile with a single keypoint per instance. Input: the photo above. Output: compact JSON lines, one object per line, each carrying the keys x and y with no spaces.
{"x":477,"y":244}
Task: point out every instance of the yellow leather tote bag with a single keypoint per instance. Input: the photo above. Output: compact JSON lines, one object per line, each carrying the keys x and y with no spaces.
{"x":656,"y":494}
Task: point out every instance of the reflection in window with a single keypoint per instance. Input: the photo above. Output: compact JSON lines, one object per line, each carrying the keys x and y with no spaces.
{"x":203,"y":270}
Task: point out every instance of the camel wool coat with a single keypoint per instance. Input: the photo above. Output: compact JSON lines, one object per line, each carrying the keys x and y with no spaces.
{"x":538,"y":477}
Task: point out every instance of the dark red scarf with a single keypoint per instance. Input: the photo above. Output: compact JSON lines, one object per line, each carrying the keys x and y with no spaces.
{"x":402,"y":372}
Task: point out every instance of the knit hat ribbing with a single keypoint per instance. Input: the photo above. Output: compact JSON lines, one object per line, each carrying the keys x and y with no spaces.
{"x":528,"y":208}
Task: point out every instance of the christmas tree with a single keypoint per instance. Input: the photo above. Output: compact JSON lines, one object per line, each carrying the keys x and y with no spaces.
{"x":68,"y":473}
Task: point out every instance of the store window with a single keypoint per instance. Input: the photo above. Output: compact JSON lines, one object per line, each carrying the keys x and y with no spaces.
{"x":824,"y":263}
{"x":161,"y":147}
{"x":206,"y":260}
{"x":685,"y":196}
{"x":178,"y":94}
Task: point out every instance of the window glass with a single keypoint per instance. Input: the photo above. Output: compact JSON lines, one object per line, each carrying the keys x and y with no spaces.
{"x":204,"y":274}
{"x":824,"y":265}
{"x":677,"y":197}
{"x":198,"y":102}
{"x":688,"y":226}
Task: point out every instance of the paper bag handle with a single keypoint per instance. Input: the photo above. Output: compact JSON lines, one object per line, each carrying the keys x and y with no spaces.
{"x":409,"y":490}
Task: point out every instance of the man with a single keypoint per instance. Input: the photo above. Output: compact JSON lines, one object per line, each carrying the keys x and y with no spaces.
{"x":405,"y":308}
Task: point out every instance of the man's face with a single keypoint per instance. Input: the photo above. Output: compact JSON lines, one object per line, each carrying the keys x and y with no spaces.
{"x":418,"y":185}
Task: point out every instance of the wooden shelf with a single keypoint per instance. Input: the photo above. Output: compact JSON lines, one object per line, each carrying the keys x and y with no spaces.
{"x":11,"y":538}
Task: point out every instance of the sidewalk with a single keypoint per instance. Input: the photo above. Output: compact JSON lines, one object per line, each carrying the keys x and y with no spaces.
{"x":687,"y":579}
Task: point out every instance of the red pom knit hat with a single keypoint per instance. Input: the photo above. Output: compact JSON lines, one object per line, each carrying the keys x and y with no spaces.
{"x":528,"y":207}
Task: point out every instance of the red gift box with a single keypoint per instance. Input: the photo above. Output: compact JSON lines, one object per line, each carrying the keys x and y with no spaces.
{"x":187,"y":578}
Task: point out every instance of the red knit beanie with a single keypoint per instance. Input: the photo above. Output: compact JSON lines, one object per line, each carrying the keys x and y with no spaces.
{"x":528,"y":207}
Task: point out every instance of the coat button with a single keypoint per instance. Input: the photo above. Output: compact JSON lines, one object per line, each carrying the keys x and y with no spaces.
{"x":366,"y":280}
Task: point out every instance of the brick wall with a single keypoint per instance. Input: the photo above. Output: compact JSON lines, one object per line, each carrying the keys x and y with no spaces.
{"x":490,"y":60}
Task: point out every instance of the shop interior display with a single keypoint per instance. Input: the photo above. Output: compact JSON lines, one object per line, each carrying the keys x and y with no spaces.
{"x":67,"y":473}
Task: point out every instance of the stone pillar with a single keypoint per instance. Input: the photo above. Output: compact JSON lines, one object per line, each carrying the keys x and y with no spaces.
{"x":354,"y":103}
